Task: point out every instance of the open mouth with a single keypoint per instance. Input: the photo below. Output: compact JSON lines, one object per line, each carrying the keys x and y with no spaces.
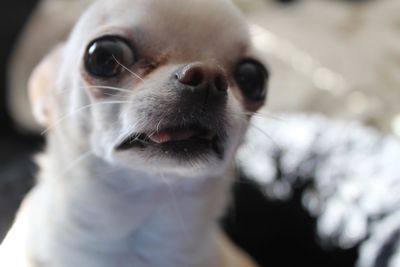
{"x":176,"y":140}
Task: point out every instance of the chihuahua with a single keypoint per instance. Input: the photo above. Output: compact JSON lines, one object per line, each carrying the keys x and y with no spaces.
{"x":145,"y":106}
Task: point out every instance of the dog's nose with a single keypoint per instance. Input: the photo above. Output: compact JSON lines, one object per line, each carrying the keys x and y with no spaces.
{"x":201,"y":76}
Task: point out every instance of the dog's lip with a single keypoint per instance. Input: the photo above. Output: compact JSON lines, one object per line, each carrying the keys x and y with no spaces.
{"x":168,"y":136}
{"x":176,"y":135}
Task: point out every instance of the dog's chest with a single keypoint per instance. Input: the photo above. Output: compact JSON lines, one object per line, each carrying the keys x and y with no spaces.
{"x":170,"y":227}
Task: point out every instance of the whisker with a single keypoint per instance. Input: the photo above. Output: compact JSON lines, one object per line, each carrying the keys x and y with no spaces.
{"x":76,"y":162}
{"x":114,"y":95}
{"x":107,"y":87}
{"x":79,"y":110}
{"x":66,"y":90}
{"x":157,"y":129}
{"x":129,"y":132}
{"x":128,"y":70}
{"x":260,"y":115}
{"x":268,"y":116}
{"x":158,"y":124}
{"x":263,"y":132}
{"x":175,"y":205}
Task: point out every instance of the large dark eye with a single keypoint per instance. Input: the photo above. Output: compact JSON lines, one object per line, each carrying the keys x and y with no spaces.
{"x":251,"y":77}
{"x":106,"y":57}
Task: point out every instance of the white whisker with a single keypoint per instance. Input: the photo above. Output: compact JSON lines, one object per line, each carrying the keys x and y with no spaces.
{"x":97,"y":87}
{"x":107,"y":87}
{"x":158,"y":125}
{"x":257,"y":128}
{"x":75,"y":162}
{"x":175,"y":204}
{"x":130,"y":131}
{"x":79,"y":110}
{"x":114,"y":95}
{"x":128,"y":70}
{"x":265,"y":134}
{"x":259,"y":114}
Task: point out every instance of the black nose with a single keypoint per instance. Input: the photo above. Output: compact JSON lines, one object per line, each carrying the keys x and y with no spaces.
{"x":201,"y":76}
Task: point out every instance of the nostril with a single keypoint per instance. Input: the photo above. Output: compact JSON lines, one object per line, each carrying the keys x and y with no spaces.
{"x":192,"y":76}
{"x":221,"y":83}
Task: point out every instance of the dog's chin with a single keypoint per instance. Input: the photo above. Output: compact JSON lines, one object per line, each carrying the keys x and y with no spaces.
{"x":172,"y":160}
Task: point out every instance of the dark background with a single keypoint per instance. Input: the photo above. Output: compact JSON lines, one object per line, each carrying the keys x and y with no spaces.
{"x":276,"y":234}
{"x":12,"y":18}
{"x":16,"y":149}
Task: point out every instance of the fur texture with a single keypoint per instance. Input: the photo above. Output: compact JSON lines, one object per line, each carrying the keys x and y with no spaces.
{"x":97,"y":206}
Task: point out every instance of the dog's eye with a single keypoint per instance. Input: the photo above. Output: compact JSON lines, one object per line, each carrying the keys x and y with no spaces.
{"x":108,"y":56}
{"x":251,"y":77}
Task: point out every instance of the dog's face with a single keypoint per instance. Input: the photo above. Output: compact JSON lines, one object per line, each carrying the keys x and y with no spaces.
{"x":170,"y":83}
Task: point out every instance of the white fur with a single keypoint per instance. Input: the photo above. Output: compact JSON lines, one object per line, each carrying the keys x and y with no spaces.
{"x":95,"y":207}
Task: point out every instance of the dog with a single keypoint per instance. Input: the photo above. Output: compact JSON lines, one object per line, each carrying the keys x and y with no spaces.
{"x":145,"y":106}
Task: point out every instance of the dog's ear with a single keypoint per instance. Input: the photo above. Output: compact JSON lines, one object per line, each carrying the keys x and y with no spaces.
{"x":42,"y":85}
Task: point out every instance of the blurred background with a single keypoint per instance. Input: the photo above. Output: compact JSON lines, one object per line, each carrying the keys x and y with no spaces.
{"x":337,"y":58}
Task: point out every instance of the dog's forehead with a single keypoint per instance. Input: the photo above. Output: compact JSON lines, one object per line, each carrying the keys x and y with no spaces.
{"x":207,"y":28}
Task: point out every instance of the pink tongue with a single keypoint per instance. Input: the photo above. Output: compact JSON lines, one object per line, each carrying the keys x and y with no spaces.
{"x":168,"y":136}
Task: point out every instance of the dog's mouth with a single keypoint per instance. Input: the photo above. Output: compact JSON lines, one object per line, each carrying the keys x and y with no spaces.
{"x":176,"y":141}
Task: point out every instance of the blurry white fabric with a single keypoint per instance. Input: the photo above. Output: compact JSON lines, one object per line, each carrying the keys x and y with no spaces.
{"x":350,"y":174}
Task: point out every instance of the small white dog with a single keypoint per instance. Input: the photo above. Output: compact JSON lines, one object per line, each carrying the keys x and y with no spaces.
{"x":145,"y":106}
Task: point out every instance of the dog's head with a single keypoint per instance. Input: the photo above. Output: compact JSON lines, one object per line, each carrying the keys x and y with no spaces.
{"x":169,"y":84}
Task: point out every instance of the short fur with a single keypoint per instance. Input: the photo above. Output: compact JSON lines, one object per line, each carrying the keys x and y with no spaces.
{"x":94,"y":206}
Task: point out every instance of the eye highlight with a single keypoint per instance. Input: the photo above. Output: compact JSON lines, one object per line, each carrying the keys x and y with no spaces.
{"x":251,"y":76}
{"x":106,"y":56}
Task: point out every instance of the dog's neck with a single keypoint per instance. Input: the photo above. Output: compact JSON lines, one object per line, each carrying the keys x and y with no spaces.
{"x":102,"y":215}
